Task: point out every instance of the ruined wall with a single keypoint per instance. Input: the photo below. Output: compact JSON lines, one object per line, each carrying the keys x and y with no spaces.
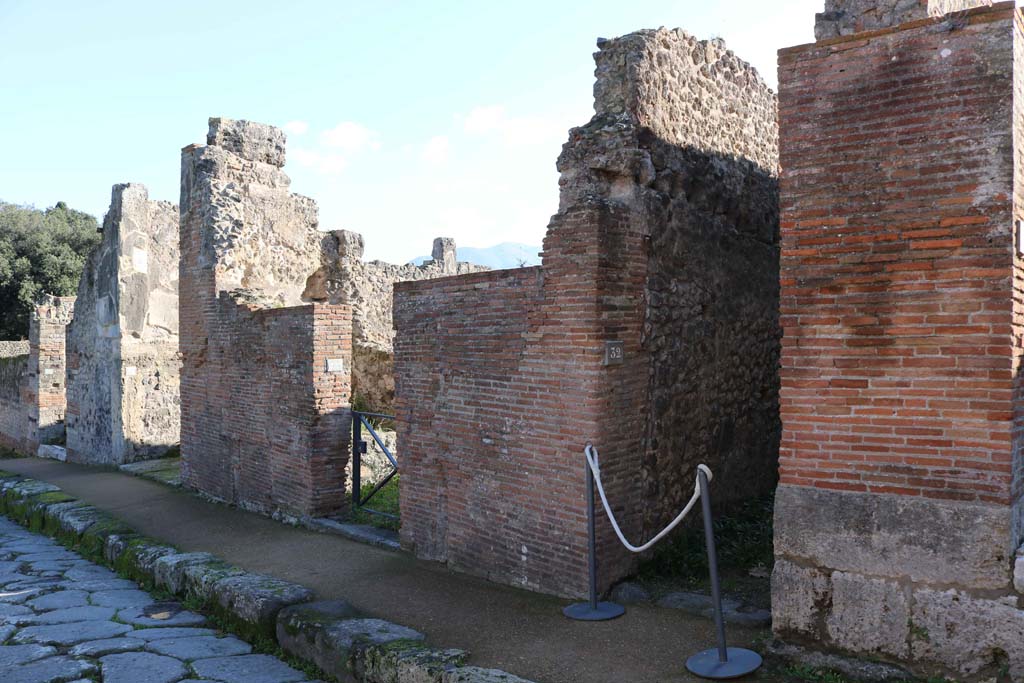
{"x":711,"y":328}
{"x":13,"y":384}
{"x":846,"y":17}
{"x":45,"y":396}
{"x":123,"y":365}
{"x":368,"y":287}
{"x":266,"y":354}
{"x":667,"y":193}
{"x":896,"y":518}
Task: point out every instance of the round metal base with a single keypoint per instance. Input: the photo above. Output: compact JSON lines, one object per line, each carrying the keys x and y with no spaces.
{"x":582,"y":611}
{"x":740,"y":663}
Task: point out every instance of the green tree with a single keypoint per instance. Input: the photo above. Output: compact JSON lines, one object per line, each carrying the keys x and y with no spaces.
{"x":40,"y":252}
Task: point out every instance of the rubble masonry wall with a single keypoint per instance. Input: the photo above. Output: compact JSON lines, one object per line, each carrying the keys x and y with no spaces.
{"x":123,"y":362}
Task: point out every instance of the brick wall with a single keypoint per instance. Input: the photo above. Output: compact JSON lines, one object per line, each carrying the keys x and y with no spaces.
{"x":46,"y":379}
{"x":500,"y":385}
{"x":896,"y":502}
{"x":666,"y":242}
{"x":264,"y":423}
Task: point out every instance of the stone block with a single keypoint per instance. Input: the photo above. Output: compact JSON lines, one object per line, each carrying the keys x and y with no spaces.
{"x":52,"y":452}
{"x":249,"y":140}
{"x":922,"y":539}
{"x":868,"y":615}
{"x":200,"y":579}
{"x":328,"y":634}
{"x":476,"y":674}
{"x":799,"y":595}
{"x":255,"y":600}
{"x":169,"y":570}
{"x":970,"y":635}
{"x":406,"y":662}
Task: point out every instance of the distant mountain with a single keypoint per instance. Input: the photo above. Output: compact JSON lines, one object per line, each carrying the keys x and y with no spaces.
{"x":498,"y":257}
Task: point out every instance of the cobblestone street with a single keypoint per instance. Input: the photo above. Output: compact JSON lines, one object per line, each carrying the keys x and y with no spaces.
{"x":63,"y":618}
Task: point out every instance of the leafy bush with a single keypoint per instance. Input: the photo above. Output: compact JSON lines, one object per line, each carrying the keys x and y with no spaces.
{"x":40,"y":252}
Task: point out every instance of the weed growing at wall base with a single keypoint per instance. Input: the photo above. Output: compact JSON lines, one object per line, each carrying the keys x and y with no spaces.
{"x":743,"y":540}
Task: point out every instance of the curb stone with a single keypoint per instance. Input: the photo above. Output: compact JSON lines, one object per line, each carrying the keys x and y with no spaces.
{"x":332,"y":635}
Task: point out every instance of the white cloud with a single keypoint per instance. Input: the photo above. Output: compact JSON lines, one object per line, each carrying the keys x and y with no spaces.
{"x":296,"y":127}
{"x":324,"y":163}
{"x":435,"y":152}
{"x":513,"y":130}
{"x":350,"y":137}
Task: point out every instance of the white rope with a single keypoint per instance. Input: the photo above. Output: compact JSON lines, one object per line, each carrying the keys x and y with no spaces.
{"x":592,"y":461}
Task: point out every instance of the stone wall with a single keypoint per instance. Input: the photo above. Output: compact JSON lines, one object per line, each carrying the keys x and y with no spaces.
{"x":898,"y":514}
{"x":13,"y":384}
{"x":368,"y":288}
{"x":666,"y":230}
{"x":266,"y":351}
{"x":123,"y":365}
{"x":846,"y":17}
{"x":45,"y":397}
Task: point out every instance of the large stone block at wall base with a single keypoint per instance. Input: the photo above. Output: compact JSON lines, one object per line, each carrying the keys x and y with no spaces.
{"x":922,"y":539}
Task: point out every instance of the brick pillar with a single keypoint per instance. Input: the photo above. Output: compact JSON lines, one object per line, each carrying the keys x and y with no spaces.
{"x":45,"y":390}
{"x":897,"y":515}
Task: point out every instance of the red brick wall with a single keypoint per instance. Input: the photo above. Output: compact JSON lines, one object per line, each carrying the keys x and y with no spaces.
{"x":263,"y":424}
{"x":45,"y":392}
{"x":897,"y":175}
{"x":273,"y":428}
{"x":500,"y":384}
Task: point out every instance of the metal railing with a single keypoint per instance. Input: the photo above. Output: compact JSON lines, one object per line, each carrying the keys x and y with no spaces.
{"x":360,"y":421}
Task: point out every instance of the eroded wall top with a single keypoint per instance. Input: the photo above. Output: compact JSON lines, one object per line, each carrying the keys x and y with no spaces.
{"x":688,"y":92}
{"x":846,"y":17}
{"x":257,"y":235}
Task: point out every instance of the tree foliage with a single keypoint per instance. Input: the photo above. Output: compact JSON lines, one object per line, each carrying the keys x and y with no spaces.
{"x":41,"y":251}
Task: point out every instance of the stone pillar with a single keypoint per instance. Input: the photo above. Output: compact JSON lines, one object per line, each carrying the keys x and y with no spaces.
{"x":123,"y":364}
{"x":45,"y":391}
{"x":899,"y":508}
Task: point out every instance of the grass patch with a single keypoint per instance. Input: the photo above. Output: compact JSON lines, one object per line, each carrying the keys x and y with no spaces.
{"x":9,"y":453}
{"x":386,"y":500}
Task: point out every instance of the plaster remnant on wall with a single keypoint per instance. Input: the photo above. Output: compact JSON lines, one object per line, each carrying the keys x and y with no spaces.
{"x":123,"y":361}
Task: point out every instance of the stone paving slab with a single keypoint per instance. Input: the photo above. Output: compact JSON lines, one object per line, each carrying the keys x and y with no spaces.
{"x":87,"y":624}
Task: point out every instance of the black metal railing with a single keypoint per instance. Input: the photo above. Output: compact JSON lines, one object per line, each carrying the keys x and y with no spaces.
{"x":361,"y":421}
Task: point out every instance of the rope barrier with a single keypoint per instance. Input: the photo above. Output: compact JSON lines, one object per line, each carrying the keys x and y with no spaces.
{"x":593,"y":461}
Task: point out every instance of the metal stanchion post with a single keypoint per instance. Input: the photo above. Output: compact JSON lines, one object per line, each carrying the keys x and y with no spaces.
{"x":720,"y":662}
{"x":592,"y":610}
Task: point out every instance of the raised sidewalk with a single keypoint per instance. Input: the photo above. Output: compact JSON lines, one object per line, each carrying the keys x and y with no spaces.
{"x":509,"y":629}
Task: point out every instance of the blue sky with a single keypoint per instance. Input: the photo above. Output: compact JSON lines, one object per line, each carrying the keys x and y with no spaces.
{"x":406,"y":120}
